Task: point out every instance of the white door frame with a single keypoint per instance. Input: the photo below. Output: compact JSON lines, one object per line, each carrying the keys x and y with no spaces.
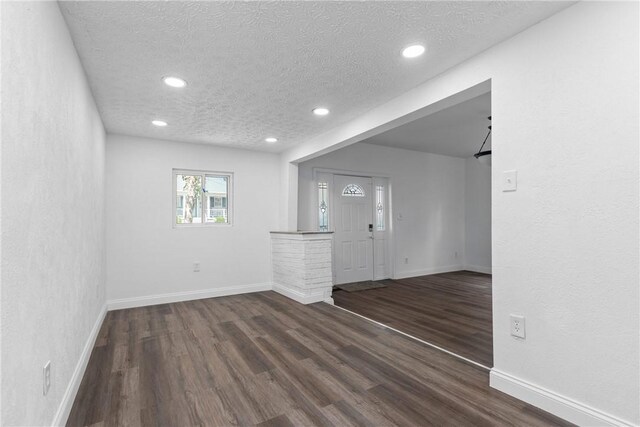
{"x":391,"y":246}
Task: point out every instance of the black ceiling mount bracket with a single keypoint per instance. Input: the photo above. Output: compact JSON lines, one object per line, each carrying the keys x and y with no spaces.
{"x":481,"y":153}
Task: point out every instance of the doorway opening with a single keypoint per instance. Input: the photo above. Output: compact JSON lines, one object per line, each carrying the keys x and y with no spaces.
{"x":428,"y":272}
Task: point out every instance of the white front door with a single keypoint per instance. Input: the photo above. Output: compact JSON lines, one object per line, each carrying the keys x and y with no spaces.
{"x":353,"y":201}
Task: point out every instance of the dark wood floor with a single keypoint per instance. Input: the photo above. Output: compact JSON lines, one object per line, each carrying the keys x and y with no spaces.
{"x":450,"y":310}
{"x":261,"y":359}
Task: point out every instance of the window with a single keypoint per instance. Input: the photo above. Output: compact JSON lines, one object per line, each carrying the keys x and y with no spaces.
{"x":202,"y":197}
{"x":323,"y":208}
{"x":379,"y":207}
{"x":353,"y":190}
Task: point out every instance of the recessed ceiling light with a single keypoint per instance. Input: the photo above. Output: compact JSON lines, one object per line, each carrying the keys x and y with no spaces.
{"x":160,"y":123}
{"x":320,"y":111}
{"x":271,"y":139}
{"x":413,"y":51}
{"x":174,"y":81}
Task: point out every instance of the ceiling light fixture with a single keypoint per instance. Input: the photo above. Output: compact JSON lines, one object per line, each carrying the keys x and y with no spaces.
{"x":320,"y":111}
{"x":174,"y":81}
{"x":271,"y":139}
{"x":413,"y":51}
{"x":484,"y":156}
{"x":159,"y":123}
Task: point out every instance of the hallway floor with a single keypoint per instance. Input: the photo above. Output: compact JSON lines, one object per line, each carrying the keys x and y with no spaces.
{"x":450,"y":310}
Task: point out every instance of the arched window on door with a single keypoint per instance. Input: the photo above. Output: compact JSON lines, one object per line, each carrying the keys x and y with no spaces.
{"x":353,"y":190}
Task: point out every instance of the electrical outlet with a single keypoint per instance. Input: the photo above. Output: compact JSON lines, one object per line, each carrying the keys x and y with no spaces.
{"x":455,"y":255}
{"x":46,"y":378}
{"x":517,"y":326}
{"x":196,"y":267}
{"x":406,"y":260}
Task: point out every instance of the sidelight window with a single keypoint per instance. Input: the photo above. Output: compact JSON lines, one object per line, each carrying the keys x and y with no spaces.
{"x":380,"y":207}
{"x":323,"y":207}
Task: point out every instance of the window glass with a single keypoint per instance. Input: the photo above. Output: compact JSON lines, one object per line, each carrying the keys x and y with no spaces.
{"x":323,"y":207}
{"x":202,"y":198}
{"x":217,"y":187}
{"x":179,"y":206}
{"x":379,"y":207}
{"x":189,"y":192}
{"x":353,"y":190}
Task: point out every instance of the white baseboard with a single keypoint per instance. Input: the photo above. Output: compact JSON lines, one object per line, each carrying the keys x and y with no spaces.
{"x":69,"y":396}
{"x":477,"y":269}
{"x":426,"y":272}
{"x":556,"y":404}
{"x":118,"y":304}
{"x":298,"y":296}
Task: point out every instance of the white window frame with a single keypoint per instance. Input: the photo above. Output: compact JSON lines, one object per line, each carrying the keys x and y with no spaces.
{"x":203,"y":199}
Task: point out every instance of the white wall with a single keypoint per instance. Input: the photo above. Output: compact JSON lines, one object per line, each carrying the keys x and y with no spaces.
{"x":569,"y":260}
{"x":565,"y":245}
{"x":52,"y":211}
{"x":146,"y":256}
{"x":427,"y":190}
{"x":477,"y":206}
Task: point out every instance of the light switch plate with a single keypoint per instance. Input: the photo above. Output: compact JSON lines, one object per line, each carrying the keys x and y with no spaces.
{"x":509,"y":180}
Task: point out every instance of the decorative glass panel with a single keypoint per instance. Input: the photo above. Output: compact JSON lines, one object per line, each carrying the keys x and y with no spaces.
{"x":380,"y":207}
{"x":353,"y":190}
{"x":323,"y":208}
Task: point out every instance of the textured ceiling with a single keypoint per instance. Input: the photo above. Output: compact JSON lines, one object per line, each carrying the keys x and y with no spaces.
{"x":455,"y":131}
{"x":256,"y":69}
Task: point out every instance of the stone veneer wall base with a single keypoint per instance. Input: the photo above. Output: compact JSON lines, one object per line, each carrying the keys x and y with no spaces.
{"x":301,"y":264}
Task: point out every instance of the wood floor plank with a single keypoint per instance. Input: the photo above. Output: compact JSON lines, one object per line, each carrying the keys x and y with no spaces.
{"x":451,"y":310}
{"x":246,"y":348}
{"x":297,"y":374}
{"x":333,"y":366}
{"x":128,"y":413}
{"x":262,"y":359}
{"x":279,"y":421}
{"x":342,"y":414}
